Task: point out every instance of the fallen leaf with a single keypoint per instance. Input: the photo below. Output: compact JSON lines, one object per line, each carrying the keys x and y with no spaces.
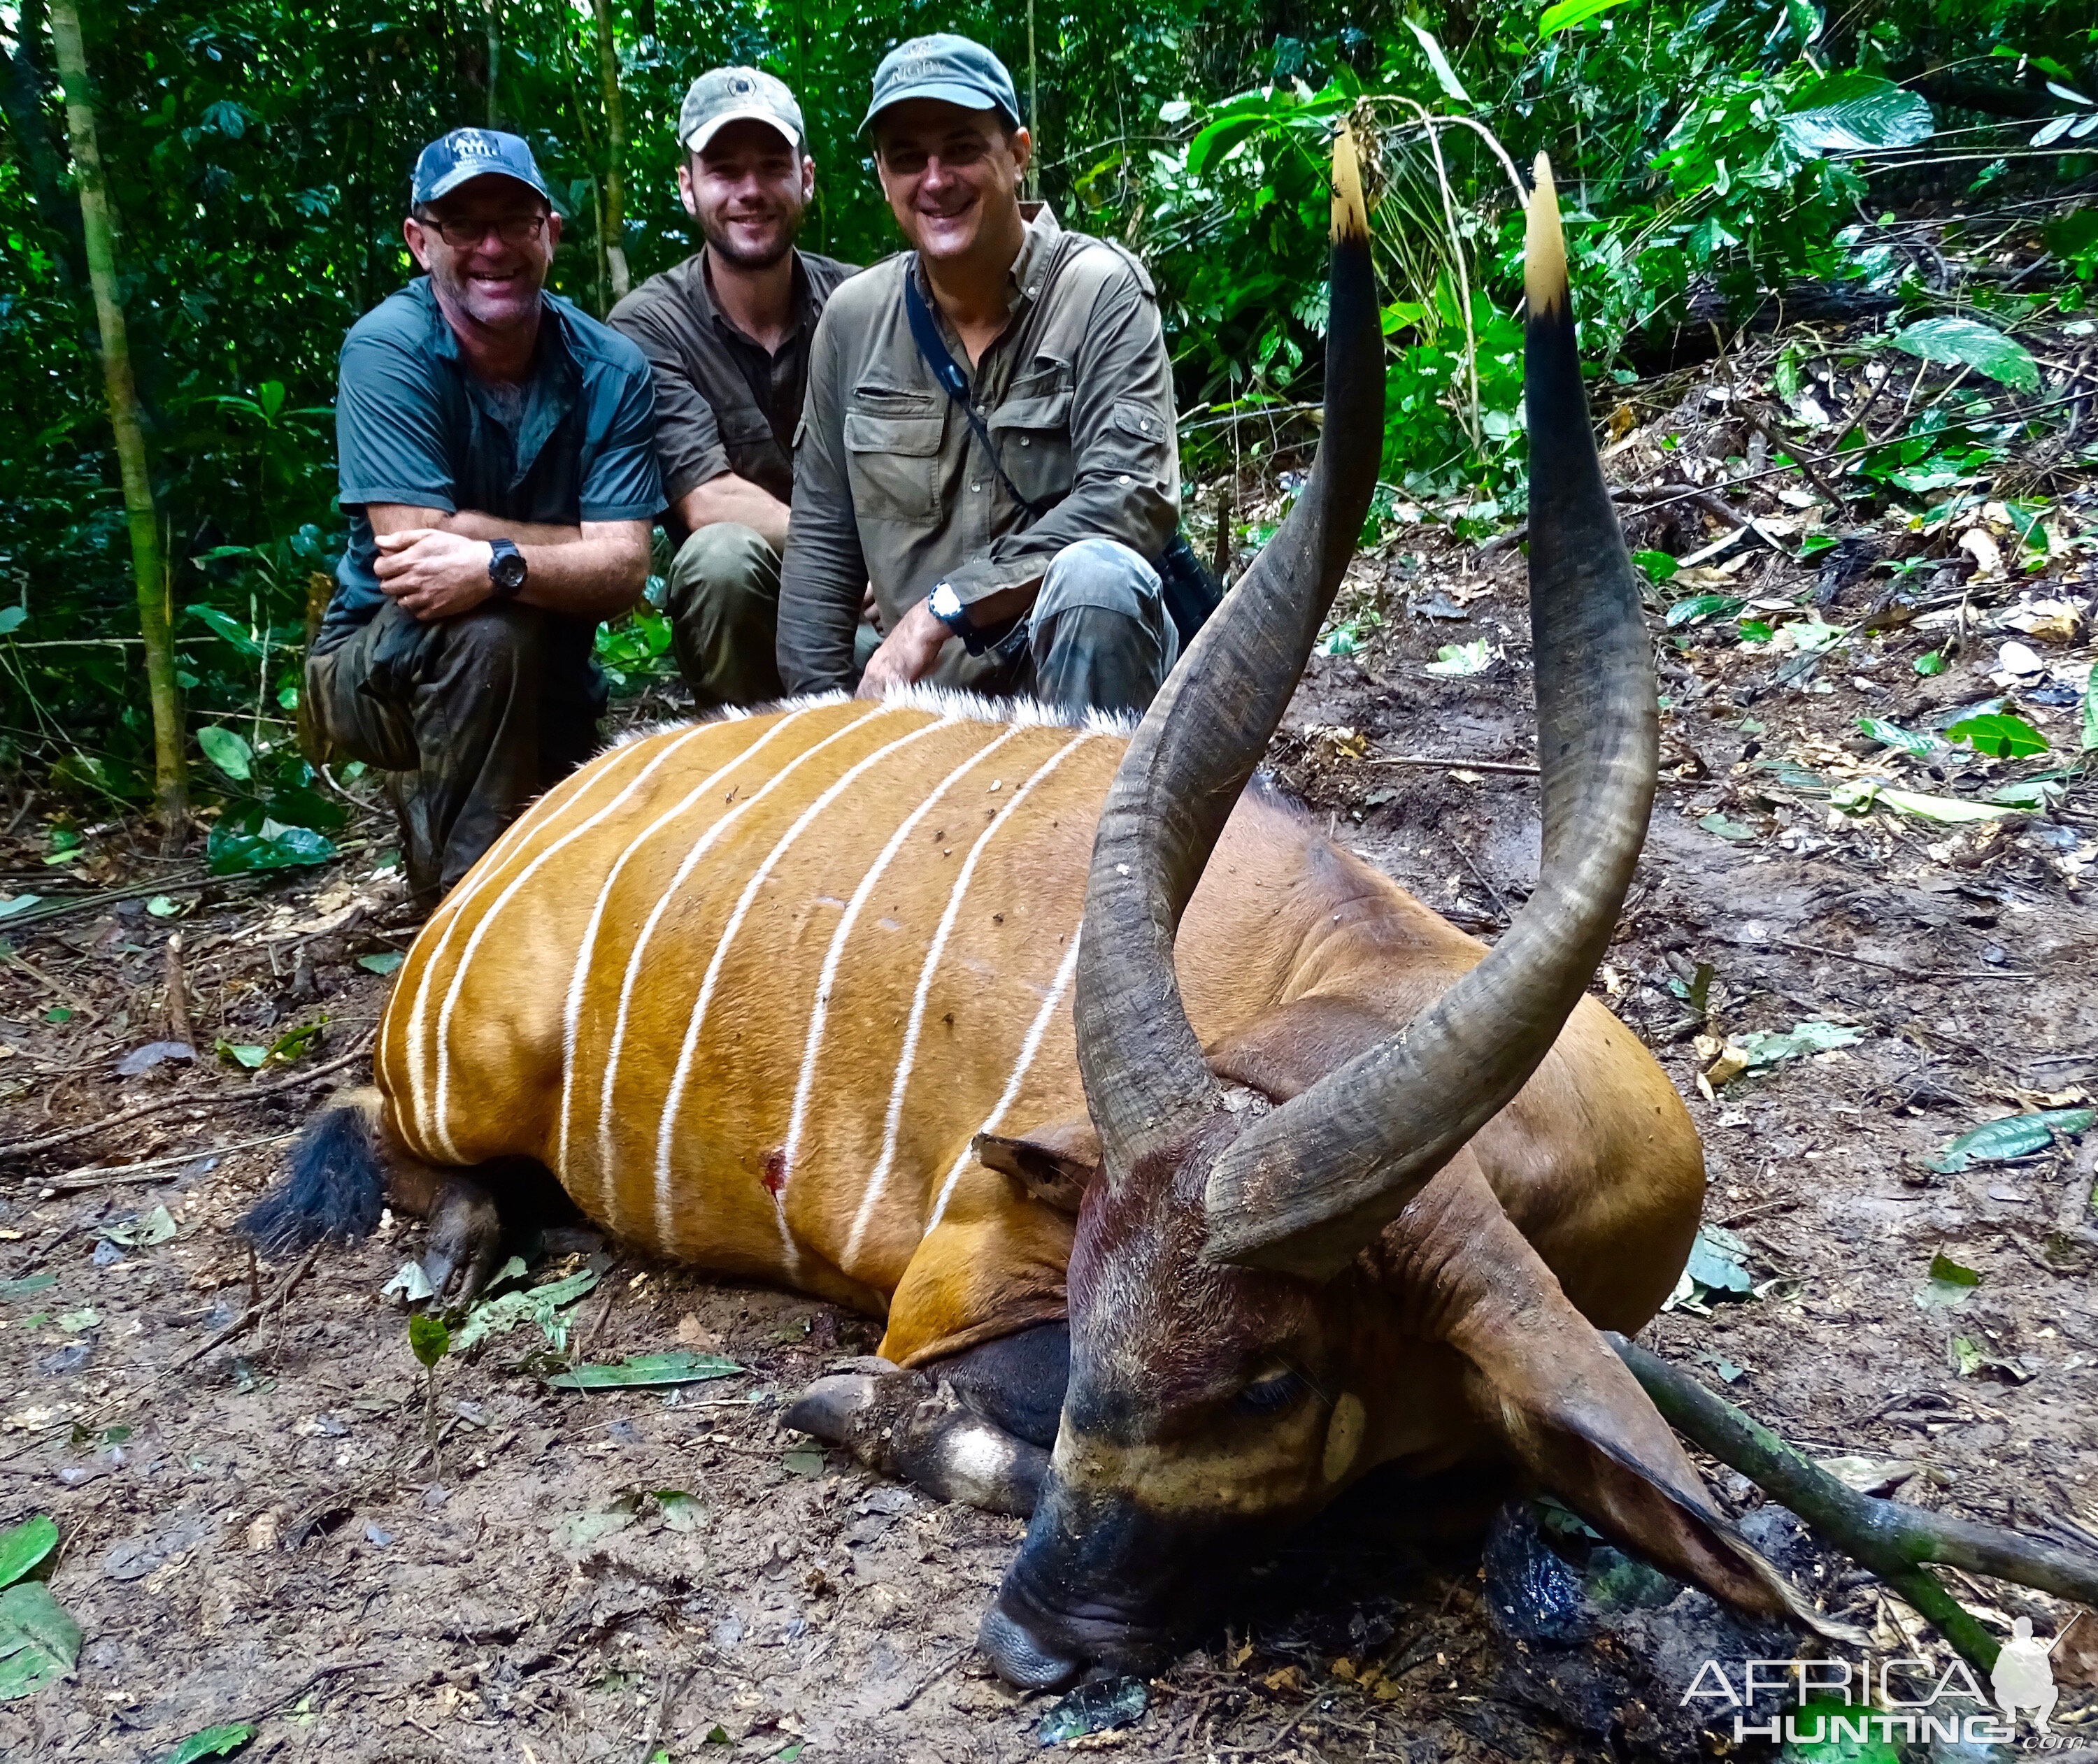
{"x":145,"y":1059}
{"x":1766,"y":1047}
{"x":23,"y":1547}
{"x":2015,"y":1136}
{"x":220,"y":1741}
{"x":39,"y":1640}
{"x":647,"y":1369}
{"x":1094,"y":1708}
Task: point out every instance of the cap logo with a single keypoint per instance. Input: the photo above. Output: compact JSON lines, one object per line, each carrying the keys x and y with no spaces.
{"x":919,"y":67}
{"x":742,"y":85}
{"x":471,"y":143}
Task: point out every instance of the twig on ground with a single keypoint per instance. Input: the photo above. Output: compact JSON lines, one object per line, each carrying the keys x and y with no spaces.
{"x":1903,"y":969}
{"x":1766,"y":425}
{"x":1896,"y":1541}
{"x":254,"y":1093}
{"x":151,"y":1170}
{"x":1435,"y":762}
{"x":930,"y":1680}
{"x":248,"y":1318}
{"x":57,"y":908}
{"x":178,"y":995}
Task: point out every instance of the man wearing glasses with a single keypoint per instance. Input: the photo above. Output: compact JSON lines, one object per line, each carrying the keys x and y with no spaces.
{"x":499,"y":477}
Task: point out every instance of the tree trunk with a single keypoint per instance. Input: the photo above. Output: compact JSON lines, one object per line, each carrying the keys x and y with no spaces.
{"x":493,"y":21}
{"x":22,"y":88}
{"x":148,"y":568}
{"x":615,"y":154}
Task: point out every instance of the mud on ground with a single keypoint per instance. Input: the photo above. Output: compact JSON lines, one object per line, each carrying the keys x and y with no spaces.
{"x":290,"y":1530}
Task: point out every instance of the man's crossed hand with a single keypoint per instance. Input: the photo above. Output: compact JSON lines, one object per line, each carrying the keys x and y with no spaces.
{"x":433,"y":573}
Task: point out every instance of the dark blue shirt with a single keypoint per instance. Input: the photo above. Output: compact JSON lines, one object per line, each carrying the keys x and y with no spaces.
{"x":414,"y":424}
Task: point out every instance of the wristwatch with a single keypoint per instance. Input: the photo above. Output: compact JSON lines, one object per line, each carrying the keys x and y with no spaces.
{"x":506,"y":570}
{"x":945,"y":606}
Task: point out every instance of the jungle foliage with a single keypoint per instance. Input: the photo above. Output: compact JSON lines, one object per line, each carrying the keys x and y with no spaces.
{"x":1711,"y":154}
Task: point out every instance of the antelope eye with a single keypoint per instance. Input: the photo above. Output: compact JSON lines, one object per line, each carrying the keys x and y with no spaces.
{"x":1269,"y":1396}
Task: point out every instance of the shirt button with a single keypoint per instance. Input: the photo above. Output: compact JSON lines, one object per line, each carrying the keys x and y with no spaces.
{"x":974,"y":488}
{"x":1125,"y":478}
{"x":1027,"y":440}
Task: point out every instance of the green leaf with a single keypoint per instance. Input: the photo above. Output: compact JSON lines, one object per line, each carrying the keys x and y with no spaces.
{"x":2016,"y":1136}
{"x":1943,"y":1267}
{"x":1968,"y":342}
{"x":2088,"y":728}
{"x":22,"y":1546}
{"x":18,"y":903}
{"x":1867,"y":794}
{"x":1893,"y":736}
{"x":230,"y":752}
{"x":1767,"y":1047}
{"x":144,"y":1232}
{"x":1932,"y":663}
{"x":1716,"y":822}
{"x":1715,"y":1261}
{"x":230,"y":628}
{"x":1446,"y":76}
{"x":29,"y":1284}
{"x":39,"y":1641}
{"x":230,"y":852}
{"x":380,"y":961}
{"x":1815,"y":544}
{"x":2000,"y":735}
{"x":539,"y":1305}
{"x":1697,"y":608}
{"x":648,"y":1369}
{"x":428,"y":1339}
{"x":249,"y":1054}
{"x":1658,"y":565}
{"x":163,"y":907}
{"x":1854,"y":113}
{"x":12,"y":618}
{"x":213,"y":1742}
{"x":1454,"y":661}
{"x":1568,"y":13}
{"x":1755,"y":631}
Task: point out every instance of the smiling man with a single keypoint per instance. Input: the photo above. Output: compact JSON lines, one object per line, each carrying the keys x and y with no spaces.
{"x":500,"y":480}
{"x":727,"y":335}
{"x":989,"y":442}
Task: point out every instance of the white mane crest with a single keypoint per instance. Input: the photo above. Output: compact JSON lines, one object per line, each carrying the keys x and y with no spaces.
{"x":939,"y":701}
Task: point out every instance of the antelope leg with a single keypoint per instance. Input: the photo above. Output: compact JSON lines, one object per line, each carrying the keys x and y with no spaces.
{"x":466,"y":1241}
{"x":975,"y":1428}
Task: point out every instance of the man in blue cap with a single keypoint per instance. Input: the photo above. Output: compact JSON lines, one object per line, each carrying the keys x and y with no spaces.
{"x":499,"y":477}
{"x":989,"y":438}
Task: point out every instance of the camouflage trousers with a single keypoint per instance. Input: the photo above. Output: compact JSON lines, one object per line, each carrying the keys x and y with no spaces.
{"x":474,"y":716}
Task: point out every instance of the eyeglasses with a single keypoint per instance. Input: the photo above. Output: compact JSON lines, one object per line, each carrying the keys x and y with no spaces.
{"x":462,"y":234}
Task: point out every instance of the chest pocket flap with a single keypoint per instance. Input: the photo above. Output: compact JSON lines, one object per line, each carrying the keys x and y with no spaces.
{"x":893,"y":462}
{"x":1033,"y":435}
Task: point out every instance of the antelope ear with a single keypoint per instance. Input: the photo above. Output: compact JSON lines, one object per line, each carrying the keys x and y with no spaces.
{"x":1052,"y":1163}
{"x":1540,"y":1376}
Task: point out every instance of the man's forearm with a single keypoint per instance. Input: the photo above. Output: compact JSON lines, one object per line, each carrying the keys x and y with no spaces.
{"x":392,"y":517}
{"x":598,"y":575}
{"x":732,"y":498}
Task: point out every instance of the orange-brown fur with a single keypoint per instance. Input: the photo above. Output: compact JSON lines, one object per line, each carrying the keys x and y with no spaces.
{"x":1596,"y":1161}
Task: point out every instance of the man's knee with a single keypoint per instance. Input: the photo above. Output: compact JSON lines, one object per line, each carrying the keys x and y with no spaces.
{"x":1101,"y":636}
{"x":724,"y":565}
{"x":494,"y":642}
{"x":1101,"y":574}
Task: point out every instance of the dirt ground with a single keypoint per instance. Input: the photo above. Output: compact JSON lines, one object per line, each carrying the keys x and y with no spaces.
{"x":268,"y":1531}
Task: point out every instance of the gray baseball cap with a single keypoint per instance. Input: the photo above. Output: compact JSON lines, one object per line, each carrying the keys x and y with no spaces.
{"x":738,"y":94}
{"x":466,"y":153}
{"x":949,"y":68}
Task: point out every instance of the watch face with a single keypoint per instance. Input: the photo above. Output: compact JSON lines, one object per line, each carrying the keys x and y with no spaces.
{"x":507,"y":568}
{"x":946,"y":604}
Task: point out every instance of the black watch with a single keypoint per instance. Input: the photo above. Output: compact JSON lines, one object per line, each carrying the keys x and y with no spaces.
{"x":506,"y":570}
{"x":946,"y":607}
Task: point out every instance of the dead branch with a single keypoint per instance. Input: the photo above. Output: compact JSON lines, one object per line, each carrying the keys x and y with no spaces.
{"x":1894,"y":1539}
{"x":178,"y":997}
{"x":253,"y":1093}
{"x":248,"y":1318}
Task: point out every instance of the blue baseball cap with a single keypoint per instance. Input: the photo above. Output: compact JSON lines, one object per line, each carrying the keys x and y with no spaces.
{"x":949,"y":68}
{"x":466,"y":153}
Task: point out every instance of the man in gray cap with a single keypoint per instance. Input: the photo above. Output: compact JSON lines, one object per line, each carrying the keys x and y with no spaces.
{"x":727,"y":335}
{"x":499,"y":477}
{"x":989,"y":437}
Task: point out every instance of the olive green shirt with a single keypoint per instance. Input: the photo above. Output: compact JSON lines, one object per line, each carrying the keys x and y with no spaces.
{"x":893,"y":489}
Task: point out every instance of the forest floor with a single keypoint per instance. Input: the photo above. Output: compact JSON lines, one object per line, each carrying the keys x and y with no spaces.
{"x":281,"y":1526}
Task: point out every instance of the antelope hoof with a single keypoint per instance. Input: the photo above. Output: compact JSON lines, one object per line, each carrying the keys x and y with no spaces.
{"x":465,"y":1244}
{"x":827,"y":1408}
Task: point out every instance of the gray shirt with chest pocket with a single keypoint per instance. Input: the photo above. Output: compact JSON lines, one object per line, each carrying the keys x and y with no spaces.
{"x":892,"y":488}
